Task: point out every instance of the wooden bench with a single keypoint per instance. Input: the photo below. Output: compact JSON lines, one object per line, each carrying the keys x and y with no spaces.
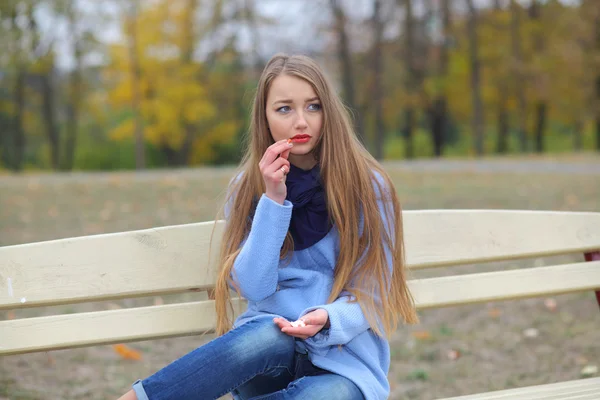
{"x":174,"y":259}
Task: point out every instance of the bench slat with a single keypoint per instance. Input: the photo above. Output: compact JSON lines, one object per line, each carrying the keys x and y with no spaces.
{"x":103,"y":327}
{"x":437,"y":238}
{"x":106,"y":327}
{"x":110,"y":266}
{"x":174,"y":259}
{"x":581,"y":389}
{"x":504,"y":285}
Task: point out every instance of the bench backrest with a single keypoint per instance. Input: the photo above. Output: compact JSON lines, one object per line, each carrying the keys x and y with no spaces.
{"x":175,"y":259}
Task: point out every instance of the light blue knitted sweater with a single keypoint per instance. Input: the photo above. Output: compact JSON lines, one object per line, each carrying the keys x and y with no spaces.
{"x":301,"y":283}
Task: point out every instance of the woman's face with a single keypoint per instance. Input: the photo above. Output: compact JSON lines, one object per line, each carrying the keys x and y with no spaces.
{"x":294,"y":112}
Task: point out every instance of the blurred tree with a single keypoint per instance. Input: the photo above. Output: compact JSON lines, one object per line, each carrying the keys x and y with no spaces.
{"x":179,"y":102}
{"x":439,"y":113}
{"x":411,"y":79}
{"x":134,"y":68}
{"x":43,"y":68}
{"x":475,"y":70}
{"x":518,"y":68}
{"x":345,"y":59}
{"x":377,"y":71}
{"x":173,"y":87}
{"x":594,"y":8}
{"x":75,"y":87}
{"x":496,"y":59}
{"x":540,"y":74}
{"x":14,"y":21}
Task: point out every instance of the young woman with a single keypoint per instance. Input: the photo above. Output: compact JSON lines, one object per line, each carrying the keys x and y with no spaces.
{"x":313,"y":240}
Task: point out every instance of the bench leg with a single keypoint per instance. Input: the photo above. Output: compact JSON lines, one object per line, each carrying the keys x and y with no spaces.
{"x":594,"y":256}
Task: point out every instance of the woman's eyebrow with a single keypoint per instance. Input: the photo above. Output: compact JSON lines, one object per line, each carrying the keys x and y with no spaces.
{"x":288,"y":101}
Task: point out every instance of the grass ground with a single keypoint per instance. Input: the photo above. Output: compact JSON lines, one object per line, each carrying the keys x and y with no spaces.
{"x":453,"y":351}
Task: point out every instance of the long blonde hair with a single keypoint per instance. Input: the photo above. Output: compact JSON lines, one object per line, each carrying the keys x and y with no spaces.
{"x":347,"y":171}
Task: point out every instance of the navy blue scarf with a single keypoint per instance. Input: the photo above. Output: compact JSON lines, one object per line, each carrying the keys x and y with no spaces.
{"x":310,"y":221}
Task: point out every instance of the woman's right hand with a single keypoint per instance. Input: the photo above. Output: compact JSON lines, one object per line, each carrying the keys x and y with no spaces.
{"x":274,"y":167}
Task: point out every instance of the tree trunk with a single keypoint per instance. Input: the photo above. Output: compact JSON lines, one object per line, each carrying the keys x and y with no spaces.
{"x":440,"y":109}
{"x":502,"y":143}
{"x":540,"y":79}
{"x":19,"y":131}
{"x":598,"y":112}
{"x":47,"y":92}
{"x":347,"y":73}
{"x":187,"y":59}
{"x":597,"y":26}
{"x":477,"y":121}
{"x":50,"y":119}
{"x":377,"y":78}
{"x":250,"y":17}
{"x":518,"y":72}
{"x":410,"y":81}
{"x":501,"y":86}
{"x":540,"y":126}
{"x":409,"y":123}
{"x":16,"y":143}
{"x":578,"y":135}
{"x":140,"y":155}
{"x":6,"y":139}
{"x":74,"y":99}
{"x":170,"y":154}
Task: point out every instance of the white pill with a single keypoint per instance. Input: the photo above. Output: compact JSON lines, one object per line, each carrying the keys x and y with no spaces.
{"x":298,"y":323}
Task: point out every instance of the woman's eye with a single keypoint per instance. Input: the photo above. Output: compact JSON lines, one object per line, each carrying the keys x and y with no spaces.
{"x":283,"y":109}
{"x":315,"y":107}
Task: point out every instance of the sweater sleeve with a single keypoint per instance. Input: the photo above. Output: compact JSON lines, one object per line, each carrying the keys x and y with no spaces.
{"x":346,"y":318}
{"x":255,"y":269}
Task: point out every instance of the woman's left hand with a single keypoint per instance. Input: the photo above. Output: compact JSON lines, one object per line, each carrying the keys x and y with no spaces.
{"x":314,"y":321}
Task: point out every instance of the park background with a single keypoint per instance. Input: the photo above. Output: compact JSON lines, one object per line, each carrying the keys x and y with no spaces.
{"x":128,"y":114}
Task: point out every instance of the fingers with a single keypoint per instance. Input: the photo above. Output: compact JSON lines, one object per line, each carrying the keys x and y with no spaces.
{"x":277,"y":170}
{"x":299,"y":331}
{"x":282,"y":322}
{"x":273,"y":151}
{"x":302,"y":332}
{"x":286,"y":154}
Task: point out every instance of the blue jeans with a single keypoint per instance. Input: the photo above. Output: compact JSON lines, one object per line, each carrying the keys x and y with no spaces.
{"x":253,"y":361}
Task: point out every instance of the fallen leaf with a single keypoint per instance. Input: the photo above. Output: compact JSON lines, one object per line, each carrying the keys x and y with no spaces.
{"x":113,"y":306}
{"x":53,"y":212}
{"x":571,"y":199}
{"x":33,"y":185}
{"x":106,"y":214}
{"x":589,"y":370}
{"x":494,"y":312}
{"x":422,"y":335}
{"x":158,"y":301}
{"x":550,"y":304}
{"x":127,"y":352}
{"x":453,"y":354}
{"x":580,"y":360}
{"x":25,"y":218}
{"x":10,"y":315}
{"x":531,"y":333}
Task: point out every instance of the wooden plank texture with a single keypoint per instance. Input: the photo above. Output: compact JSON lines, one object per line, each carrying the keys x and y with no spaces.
{"x":84,"y":329}
{"x":581,"y":389}
{"x":105,"y":327}
{"x":148,"y":262}
{"x":505,"y":285}
{"x":175,"y":258}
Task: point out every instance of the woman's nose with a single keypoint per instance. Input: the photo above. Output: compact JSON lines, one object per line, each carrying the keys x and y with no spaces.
{"x":301,"y":121}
